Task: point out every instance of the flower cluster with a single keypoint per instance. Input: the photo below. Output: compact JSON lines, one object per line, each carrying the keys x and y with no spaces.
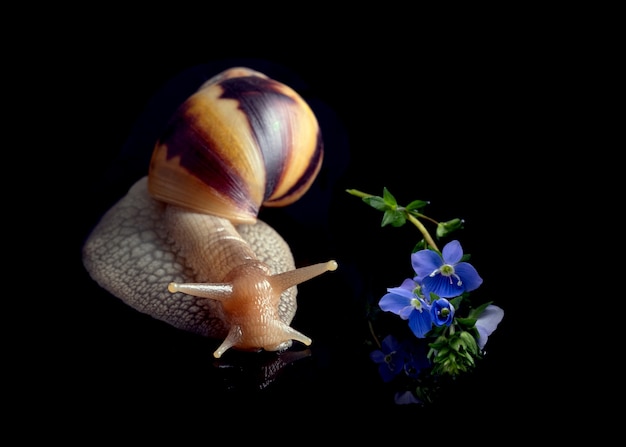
{"x":448,"y":333}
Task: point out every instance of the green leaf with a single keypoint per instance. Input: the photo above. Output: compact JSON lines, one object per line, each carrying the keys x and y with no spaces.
{"x":445,"y":228}
{"x":436,"y":345}
{"x":469,"y":342}
{"x":444,"y":352}
{"x":389,"y":198}
{"x":469,"y":358}
{"x":456,"y":301}
{"x":467,"y":322}
{"x":421,"y":245}
{"x":376,"y":202}
{"x":416,"y":205}
{"x":456,"y":343}
{"x":475,"y":313}
{"x":394,"y":218}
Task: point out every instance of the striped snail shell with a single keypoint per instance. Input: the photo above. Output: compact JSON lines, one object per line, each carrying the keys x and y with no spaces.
{"x":185,"y":244}
{"x":271,"y":159}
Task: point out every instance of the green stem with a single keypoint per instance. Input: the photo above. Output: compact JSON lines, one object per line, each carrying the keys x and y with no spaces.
{"x":420,"y":226}
{"x":413,"y":219}
{"x":369,"y":323}
{"x":423,"y":216}
{"x":356,"y":192}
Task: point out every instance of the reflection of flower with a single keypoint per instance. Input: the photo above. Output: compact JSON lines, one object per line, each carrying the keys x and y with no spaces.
{"x":416,"y":359}
{"x":405,"y":398}
{"x":390,"y":358}
{"x":450,"y":333}
{"x":394,"y":357}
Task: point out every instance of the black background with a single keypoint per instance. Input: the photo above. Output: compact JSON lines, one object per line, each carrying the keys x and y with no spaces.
{"x":455,"y":116}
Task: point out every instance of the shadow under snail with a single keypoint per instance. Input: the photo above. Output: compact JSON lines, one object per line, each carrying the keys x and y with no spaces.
{"x":185,"y":244}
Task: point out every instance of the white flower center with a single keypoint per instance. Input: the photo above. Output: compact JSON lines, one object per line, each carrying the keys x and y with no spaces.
{"x":447,"y":270}
{"x":417,"y":304}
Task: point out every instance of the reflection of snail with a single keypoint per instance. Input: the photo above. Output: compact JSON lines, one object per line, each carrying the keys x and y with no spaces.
{"x":185,"y":246}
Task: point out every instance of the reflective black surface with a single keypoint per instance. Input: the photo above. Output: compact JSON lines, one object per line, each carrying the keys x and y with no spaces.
{"x":438,"y":136}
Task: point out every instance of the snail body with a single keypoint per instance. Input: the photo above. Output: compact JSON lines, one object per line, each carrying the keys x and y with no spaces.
{"x":185,"y":244}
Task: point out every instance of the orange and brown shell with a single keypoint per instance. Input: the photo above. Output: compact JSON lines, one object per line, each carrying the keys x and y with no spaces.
{"x":241,"y":141}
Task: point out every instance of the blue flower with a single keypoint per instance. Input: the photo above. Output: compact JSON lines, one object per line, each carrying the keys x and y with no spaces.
{"x":390,"y":358}
{"x":445,"y":275}
{"x":487,"y":322}
{"x":442,"y":312}
{"x":405,"y":302}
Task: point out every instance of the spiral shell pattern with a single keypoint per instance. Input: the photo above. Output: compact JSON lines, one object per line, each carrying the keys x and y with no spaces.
{"x":241,"y":141}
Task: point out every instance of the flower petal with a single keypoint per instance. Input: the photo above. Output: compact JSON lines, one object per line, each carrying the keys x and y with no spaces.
{"x":388,"y":371}
{"x":420,"y":323}
{"x":436,"y":312}
{"x":468,"y":274}
{"x":406,"y":312}
{"x":405,"y":398}
{"x":390,"y":344}
{"x":402,"y":291}
{"x":417,"y":356}
{"x":487,"y":322}
{"x":392,"y":302}
{"x":377,"y":356}
{"x":425,"y":262}
{"x":408,"y":284}
{"x":452,"y":252}
{"x":442,"y":286}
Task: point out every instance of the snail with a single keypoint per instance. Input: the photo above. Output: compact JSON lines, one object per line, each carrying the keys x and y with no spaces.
{"x":185,"y":244}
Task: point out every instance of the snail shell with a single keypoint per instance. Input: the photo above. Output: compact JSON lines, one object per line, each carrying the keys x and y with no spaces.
{"x":271,"y":159}
{"x":185,"y":244}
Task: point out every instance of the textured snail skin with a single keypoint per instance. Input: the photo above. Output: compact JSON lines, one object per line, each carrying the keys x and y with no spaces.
{"x":131,"y":254}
